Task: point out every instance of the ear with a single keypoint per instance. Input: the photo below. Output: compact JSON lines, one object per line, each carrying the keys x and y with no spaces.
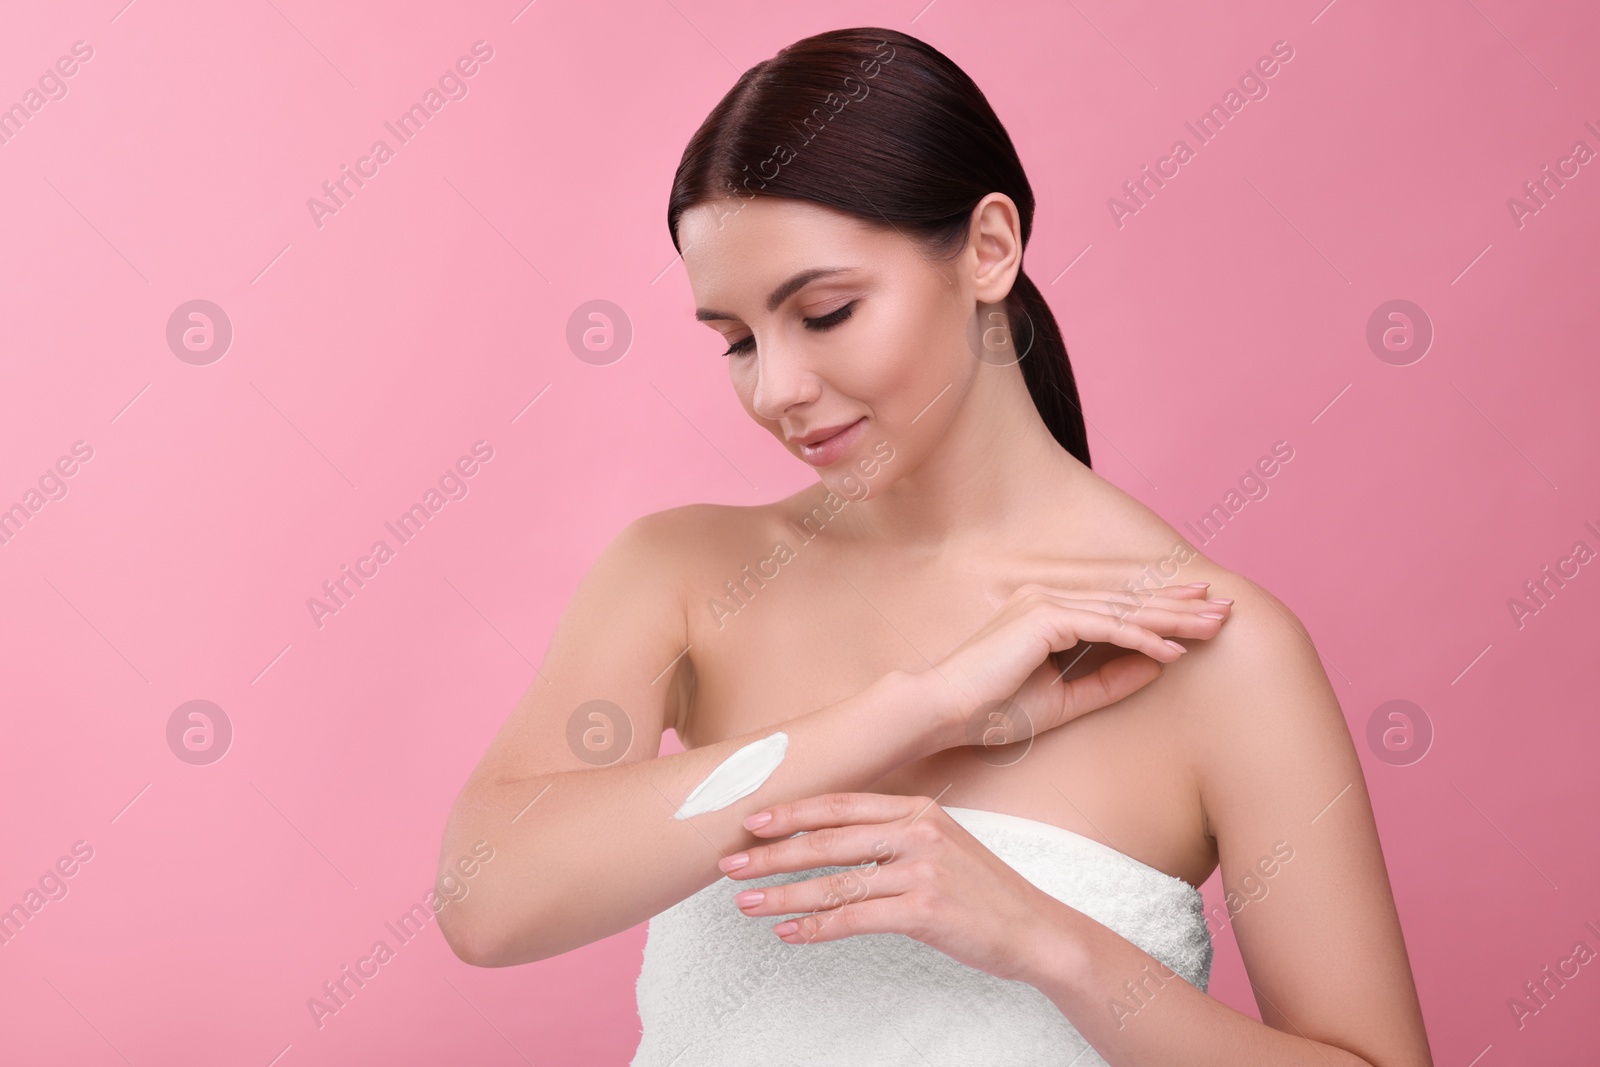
{"x":995,"y":245}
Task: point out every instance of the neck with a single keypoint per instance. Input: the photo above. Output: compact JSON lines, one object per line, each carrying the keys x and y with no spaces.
{"x":995,"y":475}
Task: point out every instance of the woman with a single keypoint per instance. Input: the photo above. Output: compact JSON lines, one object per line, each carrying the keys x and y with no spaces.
{"x":884,"y":682}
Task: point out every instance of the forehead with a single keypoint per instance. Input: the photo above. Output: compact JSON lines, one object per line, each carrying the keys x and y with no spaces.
{"x":735,"y":248}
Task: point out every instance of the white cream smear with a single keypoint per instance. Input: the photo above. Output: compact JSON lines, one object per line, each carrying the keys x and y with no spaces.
{"x":737,"y":776}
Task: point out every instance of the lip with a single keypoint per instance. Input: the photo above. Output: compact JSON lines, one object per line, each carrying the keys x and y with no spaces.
{"x":816,"y":437}
{"x":825,"y":447}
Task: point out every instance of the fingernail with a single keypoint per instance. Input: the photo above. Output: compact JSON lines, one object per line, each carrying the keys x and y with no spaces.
{"x":749,"y":898}
{"x":785,"y":928}
{"x":734,"y":862}
{"x":1212,"y":615}
{"x":1198,"y":585}
{"x":1215,"y":600}
{"x":1177,"y":646}
{"x":758,"y":820}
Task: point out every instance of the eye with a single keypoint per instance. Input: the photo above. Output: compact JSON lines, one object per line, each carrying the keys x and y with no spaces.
{"x":825,"y":322}
{"x":831,"y":319}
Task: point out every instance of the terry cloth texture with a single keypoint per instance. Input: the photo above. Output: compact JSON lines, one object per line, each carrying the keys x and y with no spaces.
{"x":718,"y":989}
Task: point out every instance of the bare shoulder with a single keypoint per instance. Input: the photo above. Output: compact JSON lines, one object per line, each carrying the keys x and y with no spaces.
{"x":692,"y":536}
{"x":1266,"y":720}
{"x":656,"y":563}
{"x":672,"y":528}
{"x":1283,"y":796}
{"x":1263,"y":644}
{"x":693,"y":548}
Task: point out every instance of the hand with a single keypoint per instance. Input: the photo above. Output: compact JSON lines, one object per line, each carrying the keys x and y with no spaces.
{"x":931,"y":879}
{"x":1020,"y":655}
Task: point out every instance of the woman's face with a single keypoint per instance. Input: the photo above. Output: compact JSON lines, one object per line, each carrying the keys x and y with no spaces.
{"x":834,"y":322}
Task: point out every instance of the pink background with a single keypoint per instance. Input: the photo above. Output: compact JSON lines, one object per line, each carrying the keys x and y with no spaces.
{"x":431,"y":312}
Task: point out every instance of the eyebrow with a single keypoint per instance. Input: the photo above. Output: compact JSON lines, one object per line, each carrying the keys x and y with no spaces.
{"x":781,"y":293}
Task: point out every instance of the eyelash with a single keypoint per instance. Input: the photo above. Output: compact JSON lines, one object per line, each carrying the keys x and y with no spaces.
{"x":824,"y":322}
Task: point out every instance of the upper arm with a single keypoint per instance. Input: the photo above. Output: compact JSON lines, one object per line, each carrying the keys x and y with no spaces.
{"x":614,"y":674}
{"x":1307,"y":891}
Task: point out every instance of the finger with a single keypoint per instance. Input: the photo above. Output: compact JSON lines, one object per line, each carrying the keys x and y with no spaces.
{"x":1066,"y":626}
{"x":1193,"y":589}
{"x":825,"y":892}
{"x":1198,"y":602}
{"x":1203,"y":620}
{"x":834,"y":809}
{"x":1117,"y":679}
{"x":828,"y":846}
{"x":1096,"y":574}
{"x":885,"y":915}
{"x":1118,"y":603}
{"x":1197,"y":591}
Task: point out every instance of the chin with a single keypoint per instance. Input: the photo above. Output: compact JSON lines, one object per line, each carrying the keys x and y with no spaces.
{"x":865,"y":473}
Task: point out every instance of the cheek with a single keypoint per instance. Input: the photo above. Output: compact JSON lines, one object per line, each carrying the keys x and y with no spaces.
{"x":924,"y":373}
{"x":932,"y":346}
{"x":898,"y":365}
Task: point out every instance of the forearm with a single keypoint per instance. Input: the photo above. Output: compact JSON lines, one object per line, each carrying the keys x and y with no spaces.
{"x":600,"y":850}
{"x":1137,"y":1012}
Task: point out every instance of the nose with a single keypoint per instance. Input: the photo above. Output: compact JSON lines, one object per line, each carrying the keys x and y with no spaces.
{"x":783,"y":381}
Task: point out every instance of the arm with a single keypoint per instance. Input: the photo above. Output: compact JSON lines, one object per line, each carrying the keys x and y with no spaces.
{"x":583,"y":851}
{"x":1318,"y":932}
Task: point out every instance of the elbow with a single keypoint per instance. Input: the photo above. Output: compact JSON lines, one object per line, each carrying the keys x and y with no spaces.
{"x":475,"y":942}
{"x":488,"y":916}
{"x":481,"y":938}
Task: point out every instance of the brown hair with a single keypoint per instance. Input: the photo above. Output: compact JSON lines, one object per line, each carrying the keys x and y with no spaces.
{"x":883,"y":126}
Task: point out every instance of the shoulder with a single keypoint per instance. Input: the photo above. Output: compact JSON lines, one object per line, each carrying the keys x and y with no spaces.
{"x":712,"y":531}
{"x":681,"y":548}
{"x":1265,"y":718}
{"x":660,"y":533}
{"x":1304,"y":883}
{"x":1262,"y":634}
{"x":1260,"y":718}
{"x":691,"y":533}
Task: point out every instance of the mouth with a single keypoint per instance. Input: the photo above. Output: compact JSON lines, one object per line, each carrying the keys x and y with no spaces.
{"x":828,"y":450}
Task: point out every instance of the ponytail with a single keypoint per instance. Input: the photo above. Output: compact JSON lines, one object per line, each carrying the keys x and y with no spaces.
{"x":1045,"y":366}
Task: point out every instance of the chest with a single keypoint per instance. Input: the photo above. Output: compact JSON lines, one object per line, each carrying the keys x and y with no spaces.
{"x":771,"y":643}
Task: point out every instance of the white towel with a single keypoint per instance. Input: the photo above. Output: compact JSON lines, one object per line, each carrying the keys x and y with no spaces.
{"x":718,"y":989}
